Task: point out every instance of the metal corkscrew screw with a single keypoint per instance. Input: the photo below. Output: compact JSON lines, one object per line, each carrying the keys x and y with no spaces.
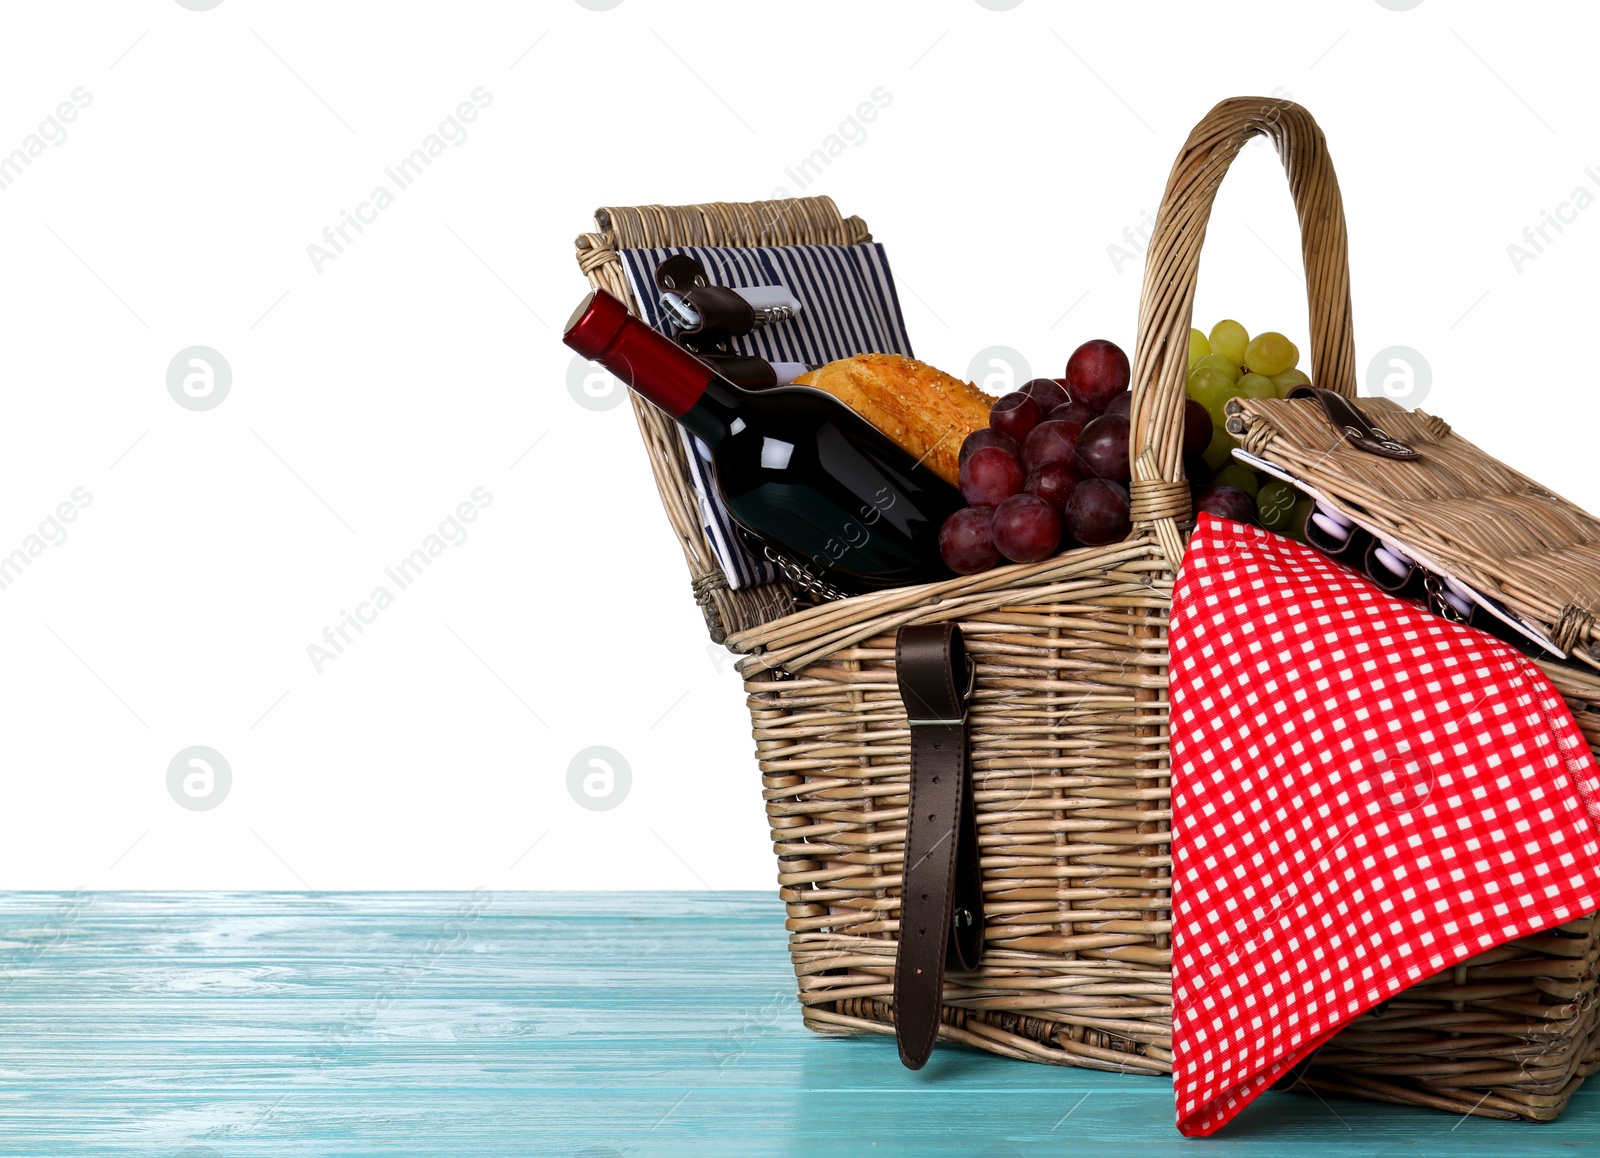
{"x":766,"y":315}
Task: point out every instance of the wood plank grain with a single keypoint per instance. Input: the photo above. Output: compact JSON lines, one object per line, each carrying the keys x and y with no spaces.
{"x":221,"y":1024}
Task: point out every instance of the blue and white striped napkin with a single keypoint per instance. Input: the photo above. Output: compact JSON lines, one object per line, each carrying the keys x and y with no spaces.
{"x":849,"y":307}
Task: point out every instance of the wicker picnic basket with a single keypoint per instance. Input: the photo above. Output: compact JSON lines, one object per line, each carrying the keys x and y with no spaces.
{"x":1069,"y":722}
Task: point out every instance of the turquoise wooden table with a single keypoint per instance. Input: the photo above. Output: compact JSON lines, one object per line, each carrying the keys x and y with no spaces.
{"x":210,"y":1025}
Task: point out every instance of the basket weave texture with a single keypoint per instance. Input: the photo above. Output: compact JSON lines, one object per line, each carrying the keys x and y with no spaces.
{"x":1069,"y":729}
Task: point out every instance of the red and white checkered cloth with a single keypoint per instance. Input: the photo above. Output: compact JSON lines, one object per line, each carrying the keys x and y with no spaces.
{"x":1363,"y":795}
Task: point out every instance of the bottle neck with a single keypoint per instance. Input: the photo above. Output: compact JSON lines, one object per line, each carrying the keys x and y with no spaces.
{"x":686,"y":388}
{"x":711,"y":418}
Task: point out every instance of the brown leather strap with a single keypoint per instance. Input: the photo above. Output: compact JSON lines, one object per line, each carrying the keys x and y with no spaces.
{"x":941,"y":892}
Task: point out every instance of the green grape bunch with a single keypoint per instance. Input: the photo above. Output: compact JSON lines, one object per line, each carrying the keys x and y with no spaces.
{"x":1225,"y":364}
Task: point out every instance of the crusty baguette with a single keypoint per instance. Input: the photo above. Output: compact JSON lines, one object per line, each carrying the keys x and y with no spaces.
{"x":925,"y":410}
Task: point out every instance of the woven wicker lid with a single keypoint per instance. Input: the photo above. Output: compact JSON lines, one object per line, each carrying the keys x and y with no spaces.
{"x":1456,"y":508}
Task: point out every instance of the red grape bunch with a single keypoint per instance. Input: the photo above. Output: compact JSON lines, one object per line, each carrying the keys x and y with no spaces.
{"x":1051,"y":470}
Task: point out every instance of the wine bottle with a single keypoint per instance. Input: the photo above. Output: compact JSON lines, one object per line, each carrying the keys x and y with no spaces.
{"x":797,"y":468}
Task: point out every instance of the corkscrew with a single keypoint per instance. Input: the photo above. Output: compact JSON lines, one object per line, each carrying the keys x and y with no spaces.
{"x":689,"y":311}
{"x":707,"y":317}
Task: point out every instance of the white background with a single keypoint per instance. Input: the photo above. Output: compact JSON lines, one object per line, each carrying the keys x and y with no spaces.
{"x":372,"y":396}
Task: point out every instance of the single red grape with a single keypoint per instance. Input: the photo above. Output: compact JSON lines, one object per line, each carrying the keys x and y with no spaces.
{"x":1097,"y":372}
{"x":1016,"y":414}
{"x":1103,"y":446}
{"x":1075,"y":412}
{"x":1026,"y":529}
{"x":988,"y":436}
{"x":1052,"y":482}
{"x":1121,"y":404}
{"x":1047,"y":392}
{"x":1227,"y":503}
{"x":1097,"y":512}
{"x":1197,"y":428}
{"x":966,"y":541}
{"x":990,"y":476}
{"x":1051,"y":441}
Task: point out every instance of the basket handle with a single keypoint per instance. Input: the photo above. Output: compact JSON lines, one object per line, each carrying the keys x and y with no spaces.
{"x":1166,"y":304}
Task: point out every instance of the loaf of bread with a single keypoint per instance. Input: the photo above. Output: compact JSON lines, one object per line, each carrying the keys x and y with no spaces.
{"x":924,"y":410}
